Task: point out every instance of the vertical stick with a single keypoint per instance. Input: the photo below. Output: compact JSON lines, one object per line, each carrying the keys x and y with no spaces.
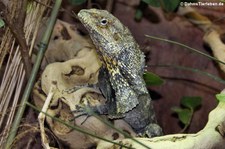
{"x":30,"y":84}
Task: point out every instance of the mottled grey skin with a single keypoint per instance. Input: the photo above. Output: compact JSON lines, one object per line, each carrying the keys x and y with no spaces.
{"x":121,"y":56}
{"x":123,"y":64}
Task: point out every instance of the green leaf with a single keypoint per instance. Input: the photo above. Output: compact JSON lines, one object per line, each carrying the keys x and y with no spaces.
{"x":152,"y":79}
{"x":138,"y":14}
{"x":220,"y":97}
{"x":2,"y":23}
{"x":77,"y":2}
{"x":154,"y":3}
{"x":192,"y":1}
{"x":191,"y":102}
{"x":185,"y":116}
{"x":169,"y":5}
{"x":176,"y":109}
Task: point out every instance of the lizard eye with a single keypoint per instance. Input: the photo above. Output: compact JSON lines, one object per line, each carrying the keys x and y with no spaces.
{"x":104,"y":22}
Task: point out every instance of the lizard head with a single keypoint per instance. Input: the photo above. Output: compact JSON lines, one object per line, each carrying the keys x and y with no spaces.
{"x":106,"y":31}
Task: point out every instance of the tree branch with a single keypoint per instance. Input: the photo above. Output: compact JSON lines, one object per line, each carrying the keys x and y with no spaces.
{"x":15,"y":22}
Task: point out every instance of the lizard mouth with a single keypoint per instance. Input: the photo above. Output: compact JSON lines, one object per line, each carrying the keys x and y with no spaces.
{"x":85,"y":17}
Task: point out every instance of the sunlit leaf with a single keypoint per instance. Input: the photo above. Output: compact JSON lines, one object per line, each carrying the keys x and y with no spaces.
{"x":191,"y":102}
{"x":2,"y":23}
{"x":152,"y":79}
{"x":220,"y":97}
{"x":77,"y":2}
{"x":185,"y":116}
{"x":176,"y":109}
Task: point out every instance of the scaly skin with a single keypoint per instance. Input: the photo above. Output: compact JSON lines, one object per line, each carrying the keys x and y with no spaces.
{"x":121,"y":55}
{"x":124,"y":63}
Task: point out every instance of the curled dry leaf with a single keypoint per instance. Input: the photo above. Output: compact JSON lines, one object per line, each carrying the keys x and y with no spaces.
{"x":72,"y":77}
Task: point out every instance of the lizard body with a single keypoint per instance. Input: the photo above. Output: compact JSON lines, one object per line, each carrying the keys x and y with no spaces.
{"x":120,"y":54}
{"x":124,"y":66}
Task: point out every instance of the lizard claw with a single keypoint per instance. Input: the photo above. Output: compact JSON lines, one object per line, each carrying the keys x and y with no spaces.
{"x":89,"y":111}
{"x":83,"y":111}
{"x":152,"y":130}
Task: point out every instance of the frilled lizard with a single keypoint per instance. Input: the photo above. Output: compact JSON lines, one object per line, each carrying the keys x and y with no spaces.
{"x":121,"y":78}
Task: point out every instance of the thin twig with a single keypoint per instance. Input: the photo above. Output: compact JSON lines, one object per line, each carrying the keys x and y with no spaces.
{"x":118,"y":130}
{"x":187,"y":47}
{"x":15,"y":24}
{"x":41,"y":116}
{"x":109,"y":5}
{"x":191,"y":69}
{"x":89,"y":4}
{"x":61,"y":9}
{"x":79,"y":129}
{"x":28,"y":89}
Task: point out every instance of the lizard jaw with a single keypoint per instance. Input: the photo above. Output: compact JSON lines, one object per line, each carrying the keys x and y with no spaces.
{"x":84,"y":16}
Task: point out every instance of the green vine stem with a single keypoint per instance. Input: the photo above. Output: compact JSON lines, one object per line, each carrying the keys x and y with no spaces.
{"x":191,"y":69}
{"x":187,"y":47}
{"x":30,"y":84}
{"x":89,"y":111}
{"x":79,"y":129}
